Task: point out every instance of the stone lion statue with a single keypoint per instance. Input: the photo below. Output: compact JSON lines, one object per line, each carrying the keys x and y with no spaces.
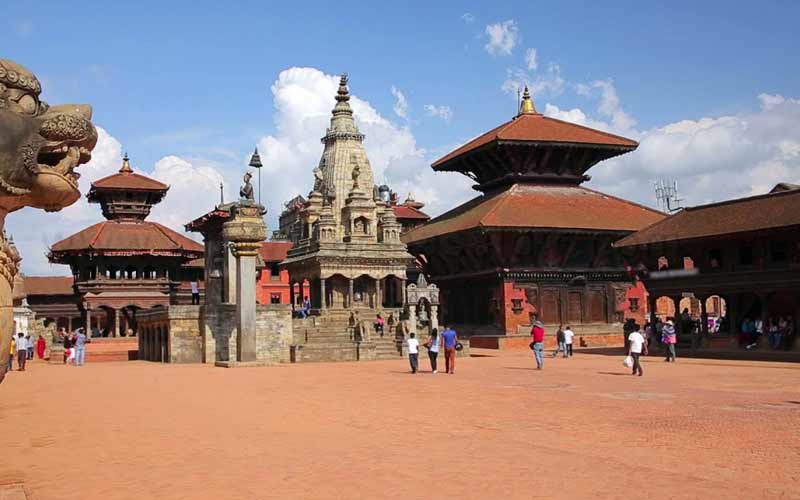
{"x":40,"y":147}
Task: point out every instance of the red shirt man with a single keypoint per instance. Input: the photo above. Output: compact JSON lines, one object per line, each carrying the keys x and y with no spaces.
{"x":538,"y":333}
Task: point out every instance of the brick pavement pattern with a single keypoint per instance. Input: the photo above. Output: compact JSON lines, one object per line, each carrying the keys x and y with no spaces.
{"x":581,"y":428}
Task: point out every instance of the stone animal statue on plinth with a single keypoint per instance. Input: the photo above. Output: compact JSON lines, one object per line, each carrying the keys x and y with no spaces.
{"x":40,"y":147}
{"x":246,"y":191}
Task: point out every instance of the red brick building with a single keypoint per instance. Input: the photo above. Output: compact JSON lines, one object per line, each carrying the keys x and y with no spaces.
{"x":273,"y":283}
{"x":535,"y":244}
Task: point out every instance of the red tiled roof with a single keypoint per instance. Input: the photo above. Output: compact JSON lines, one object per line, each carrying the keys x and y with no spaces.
{"x":540,"y":206}
{"x":135,"y":237}
{"x":198,"y":263}
{"x":274,"y":251}
{"x":129,"y":180}
{"x":767,"y":211}
{"x":48,"y":285}
{"x":406,"y":212}
{"x":539,"y":128}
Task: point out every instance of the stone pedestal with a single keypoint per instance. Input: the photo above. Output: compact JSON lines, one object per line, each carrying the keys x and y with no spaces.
{"x":244,"y":233}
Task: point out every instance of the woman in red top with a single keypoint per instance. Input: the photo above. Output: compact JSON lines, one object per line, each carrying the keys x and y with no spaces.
{"x":41,"y":346}
{"x":537,"y":332}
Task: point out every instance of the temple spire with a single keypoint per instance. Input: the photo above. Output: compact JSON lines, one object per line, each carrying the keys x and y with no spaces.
{"x":126,"y":165}
{"x":526,"y":107}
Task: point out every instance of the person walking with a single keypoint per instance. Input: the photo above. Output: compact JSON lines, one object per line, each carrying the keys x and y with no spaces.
{"x":569,"y":336}
{"x":433,"y":344}
{"x":22,"y":352}
{"x":670,"y":338}
{"x":12,"y":350}
{"x":195,"y":292}
{"x":413,"y":352}
{"x":29,"y":344}
{"x":635,"y":346}
{"x":67,"y":348}
{"x":537,"y":334}
{"x":560,"y":339}
{"x":380,"y":323}
{"x":41,"y":347}
{"x":80,"y":347}
{"x":450,"y":338}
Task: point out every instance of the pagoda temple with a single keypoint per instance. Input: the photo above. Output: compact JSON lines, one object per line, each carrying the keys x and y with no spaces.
{"x":347,"y":236}
{"x":127,"y":263}
{"x":535,"y":244}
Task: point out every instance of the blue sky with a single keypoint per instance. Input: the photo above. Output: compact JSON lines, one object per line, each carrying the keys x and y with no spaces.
{"x":194,"y":80}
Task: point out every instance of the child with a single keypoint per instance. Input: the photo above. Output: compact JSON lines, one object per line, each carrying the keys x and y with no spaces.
{"x":413,"y":351}
{"x":560,"y":339}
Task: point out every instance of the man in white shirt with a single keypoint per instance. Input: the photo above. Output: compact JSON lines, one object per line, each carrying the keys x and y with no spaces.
{"x":569,"y":335}
{"x":635,"y":345}
{"x":195,"y":292}
{"x":22,"y":352}
{"x":413,"y":351}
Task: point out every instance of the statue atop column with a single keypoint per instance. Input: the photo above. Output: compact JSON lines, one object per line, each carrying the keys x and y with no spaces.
{"x":40,"y":147}
{"x":246,"y":191}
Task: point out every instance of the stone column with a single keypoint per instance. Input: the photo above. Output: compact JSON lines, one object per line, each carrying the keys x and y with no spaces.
{"x":302,"y":292}
{"x":402,"y":292}
{"x":434,"y":316}
{"x":88,"y":321}
{"x":244,"y":233}
{"x":116,"y":322}
{"x":350,"y":294}
{"x":323,"y":295}
{"x":378,"y":294}
{"x":412,"y":318}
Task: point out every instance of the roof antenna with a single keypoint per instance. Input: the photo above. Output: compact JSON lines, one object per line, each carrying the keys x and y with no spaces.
{"x":221,"y":195}
{"x":667,"y":196}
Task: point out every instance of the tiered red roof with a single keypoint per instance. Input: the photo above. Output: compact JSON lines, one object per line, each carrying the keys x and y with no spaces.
{"x":540,"y":206}
{"x":407,"y":212}
{"x":129,"y":238}
{"x":49,"y":285}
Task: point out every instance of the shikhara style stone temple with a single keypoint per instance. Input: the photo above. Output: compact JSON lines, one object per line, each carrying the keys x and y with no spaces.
{"x":349,"y":245}
{"x":535,"y":244}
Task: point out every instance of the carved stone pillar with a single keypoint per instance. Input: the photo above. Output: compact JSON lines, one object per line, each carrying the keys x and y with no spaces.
{"x":378,"y":294}
{"x":302,"y":292}
{"x":402,"y":291}
{"x":88,"y":321}
{"x":323,"y":295}
{"x":434,"y":316}
{"x":244,"y":233}
{"x":116,"y":322}
{"x":412,"y":318}
{"x":350,"y":293}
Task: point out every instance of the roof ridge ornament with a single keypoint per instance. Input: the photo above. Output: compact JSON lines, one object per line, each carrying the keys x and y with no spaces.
{"x":126,"y":165}
{"x":527,"y":107}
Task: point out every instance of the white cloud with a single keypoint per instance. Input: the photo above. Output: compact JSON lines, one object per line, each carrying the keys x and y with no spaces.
{"x":503,"y":37}
{"x":548,"y":84}
{"x":400,"y":103}
{"x":303,"y":98}
{"x":712,"y":158}
{"x":194,"y":188}
{"x":443,"y":112}
{"x":531,"y":59}
{"x":467,"y":18}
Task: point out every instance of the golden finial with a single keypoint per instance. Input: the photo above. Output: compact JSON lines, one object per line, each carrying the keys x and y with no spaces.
{"x":126,"y":165}
{"x":526,"y":107}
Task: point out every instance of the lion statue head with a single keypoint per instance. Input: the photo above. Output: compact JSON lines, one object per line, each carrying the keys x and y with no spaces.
{"x":40,"y":147}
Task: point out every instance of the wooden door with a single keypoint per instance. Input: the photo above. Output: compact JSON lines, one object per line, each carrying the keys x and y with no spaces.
{"x":574,"y":306}
{"x":596,"y":306}
{"x":551,"y":307}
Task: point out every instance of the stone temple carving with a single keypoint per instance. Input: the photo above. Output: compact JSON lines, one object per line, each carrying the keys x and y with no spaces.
{"x":246,"y":191}
{"x":40,"y":147}
{"x":349,"y":247}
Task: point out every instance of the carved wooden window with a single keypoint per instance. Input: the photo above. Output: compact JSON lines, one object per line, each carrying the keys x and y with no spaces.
{"x":574,"y":307}
{"x":550,"y":306}
{"x":633,"y":304}
{"x":597,"y":306}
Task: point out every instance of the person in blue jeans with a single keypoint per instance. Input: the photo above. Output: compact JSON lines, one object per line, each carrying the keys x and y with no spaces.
{"x":537,"y":334}
{"x":80,"y":347}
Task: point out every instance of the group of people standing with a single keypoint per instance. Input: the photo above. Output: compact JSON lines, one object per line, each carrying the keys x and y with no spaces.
{"x":779,"y":331}
{"x":74,"y":346}
{"x":448,"y":339}
{"x":23,"y":347}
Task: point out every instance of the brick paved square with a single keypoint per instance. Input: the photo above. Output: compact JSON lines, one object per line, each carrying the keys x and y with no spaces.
{"x":581,"y":428}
